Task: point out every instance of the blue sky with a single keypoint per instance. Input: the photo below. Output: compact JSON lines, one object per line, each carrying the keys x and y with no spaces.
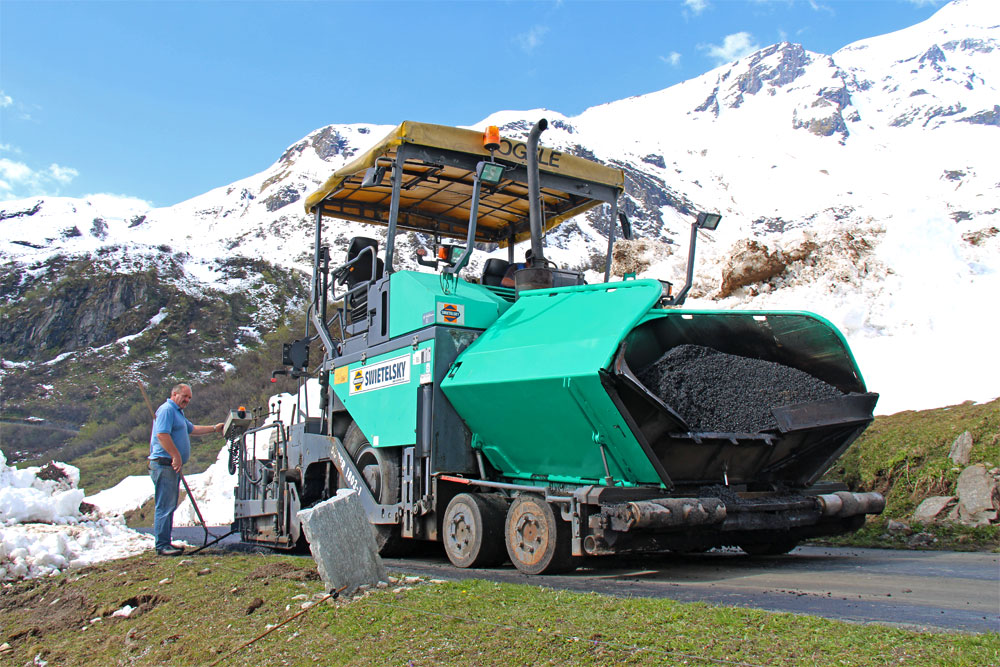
{"x":166,"y":100}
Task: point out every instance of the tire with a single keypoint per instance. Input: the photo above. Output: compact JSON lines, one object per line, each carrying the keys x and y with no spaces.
{"x":538,"y":541}
{"x":473,"y":531}
{"x":380,"y":469}
{"x":773,"y":548}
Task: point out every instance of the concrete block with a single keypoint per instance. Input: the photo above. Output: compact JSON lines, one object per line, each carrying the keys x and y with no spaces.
{"x":343,"y":543}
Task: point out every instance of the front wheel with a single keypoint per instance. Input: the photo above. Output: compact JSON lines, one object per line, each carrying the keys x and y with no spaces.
{"x":380,"y":469}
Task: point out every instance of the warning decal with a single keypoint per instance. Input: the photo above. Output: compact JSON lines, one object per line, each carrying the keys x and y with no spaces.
{"x":451,"y":313}
{"x":384,"y":374}
{"x":340,"y":375}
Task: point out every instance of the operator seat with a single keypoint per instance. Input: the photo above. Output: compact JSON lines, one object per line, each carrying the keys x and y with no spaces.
{"x":493,"y":271}
{"x":360,"y":273}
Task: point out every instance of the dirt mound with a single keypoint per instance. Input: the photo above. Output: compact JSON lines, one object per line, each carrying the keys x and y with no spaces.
{"x":53,"y":611}
{"x":283,"y":571}
{"x":51,"y":471}
{"x":717,"y":392}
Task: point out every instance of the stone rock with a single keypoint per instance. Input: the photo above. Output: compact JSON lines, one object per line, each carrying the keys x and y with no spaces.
{"x":921,"y":540}
{"x":929,"y":510}
{"x":342,"y":543}
{"x":898,"y":528}
{"x":977,"y":490}
{"x":981,"y":518}
{"x":961,"y":449}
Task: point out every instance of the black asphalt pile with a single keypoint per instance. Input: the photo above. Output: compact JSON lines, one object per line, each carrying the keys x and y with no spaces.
{"x":718,"y":392}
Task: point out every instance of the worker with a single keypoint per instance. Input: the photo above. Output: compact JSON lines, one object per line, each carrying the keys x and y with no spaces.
{"x":169,"y":449}
{"x":508,"y":276}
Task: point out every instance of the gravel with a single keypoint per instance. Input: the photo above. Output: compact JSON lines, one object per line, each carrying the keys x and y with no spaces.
{"x":718,"y":392}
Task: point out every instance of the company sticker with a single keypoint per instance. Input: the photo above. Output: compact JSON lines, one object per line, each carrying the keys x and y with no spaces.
{"x":451,"y":313}
{"x":384,"y":374}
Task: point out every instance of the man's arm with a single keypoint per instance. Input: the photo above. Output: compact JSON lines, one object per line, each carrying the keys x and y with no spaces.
{"x":202,"y":430}
{"x":168,"y":444}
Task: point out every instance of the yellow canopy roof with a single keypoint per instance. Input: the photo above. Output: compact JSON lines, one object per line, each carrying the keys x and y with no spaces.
{"x":437,"y":185}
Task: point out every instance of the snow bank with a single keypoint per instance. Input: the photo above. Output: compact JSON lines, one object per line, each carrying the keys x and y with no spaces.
{"x":131,"y":493}
{"x":42,"y":531}
{"x":213,"y":491}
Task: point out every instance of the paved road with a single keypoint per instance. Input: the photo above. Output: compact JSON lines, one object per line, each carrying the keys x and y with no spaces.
{"x":923,"y":589}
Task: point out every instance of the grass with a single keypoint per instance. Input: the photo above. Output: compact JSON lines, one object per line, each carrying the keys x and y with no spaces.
{"x":195,"y":611}
{"x":905,"y":457}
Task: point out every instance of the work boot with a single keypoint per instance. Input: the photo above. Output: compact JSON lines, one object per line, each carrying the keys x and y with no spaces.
{"x":172,"y":550}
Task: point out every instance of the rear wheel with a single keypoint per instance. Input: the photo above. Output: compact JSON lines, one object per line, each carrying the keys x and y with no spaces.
{"x":538,"y":541}
{"x":473,"y":530}
{"x":380,"y":469}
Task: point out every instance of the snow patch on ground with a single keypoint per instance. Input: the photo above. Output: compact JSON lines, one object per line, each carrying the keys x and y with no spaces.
{"x":43,"y":531}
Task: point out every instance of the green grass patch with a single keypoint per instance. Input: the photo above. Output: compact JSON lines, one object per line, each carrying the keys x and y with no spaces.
{"x":905,"y":457}
{"x":210,"y":604}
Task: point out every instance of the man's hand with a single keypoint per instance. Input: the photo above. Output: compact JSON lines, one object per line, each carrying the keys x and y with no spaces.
{"x":219,"y":427}
{"x":170,"y":448}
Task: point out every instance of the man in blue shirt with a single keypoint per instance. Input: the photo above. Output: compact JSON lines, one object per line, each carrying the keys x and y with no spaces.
{"x":169,"y":449}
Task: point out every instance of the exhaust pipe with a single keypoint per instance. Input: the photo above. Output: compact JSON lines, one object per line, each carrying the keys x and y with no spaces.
{"x":535,"y":194}
{"x":844,"y":503}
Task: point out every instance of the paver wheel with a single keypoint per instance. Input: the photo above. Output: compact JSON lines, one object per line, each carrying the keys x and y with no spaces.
{"x":380,"y":468}
{"x":473,"y":531}
{"x":773,"y":548}
{"x":538,"y":541}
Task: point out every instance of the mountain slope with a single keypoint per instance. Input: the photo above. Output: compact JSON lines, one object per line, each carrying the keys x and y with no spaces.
{"x":861,"y":185}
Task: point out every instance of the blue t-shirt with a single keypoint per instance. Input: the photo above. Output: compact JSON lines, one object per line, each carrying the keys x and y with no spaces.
{"x":170,"y":419}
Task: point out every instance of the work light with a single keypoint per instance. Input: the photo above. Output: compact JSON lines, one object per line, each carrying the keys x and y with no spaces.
{"x":489,"y":172}
{"x":708,"y":220}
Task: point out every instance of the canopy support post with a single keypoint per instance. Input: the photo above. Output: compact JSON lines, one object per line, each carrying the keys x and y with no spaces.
{"x":611,"y":239}
{"x":397,"y":188}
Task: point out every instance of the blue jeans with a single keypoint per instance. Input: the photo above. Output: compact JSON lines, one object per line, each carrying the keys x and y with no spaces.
{"x":166,"y":484}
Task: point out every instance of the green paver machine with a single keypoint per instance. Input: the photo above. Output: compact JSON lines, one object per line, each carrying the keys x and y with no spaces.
{"x":503,"y":415}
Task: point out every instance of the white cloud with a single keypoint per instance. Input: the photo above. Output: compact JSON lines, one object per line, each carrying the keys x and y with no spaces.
{"x":5,"y":100}
{"x":817,"y":7}
{"x":530,"y":40}
{"x":674,"y":59}
{"x":18,"y":180}
{"x":62,"y":174}
{"x":733,"y":47}
{"x":696,"y":6}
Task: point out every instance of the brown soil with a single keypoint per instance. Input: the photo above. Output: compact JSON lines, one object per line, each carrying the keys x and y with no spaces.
{"x":52,"y":472}
{"x":283,"y":571}
{"x":52,"y":611}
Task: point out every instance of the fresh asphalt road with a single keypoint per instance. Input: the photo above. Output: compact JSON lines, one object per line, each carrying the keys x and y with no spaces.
{"x":920,"y":589}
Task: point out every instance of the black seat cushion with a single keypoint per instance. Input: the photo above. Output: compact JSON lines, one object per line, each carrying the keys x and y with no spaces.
{"x":362,"y":271}
{"x":493,"y":271}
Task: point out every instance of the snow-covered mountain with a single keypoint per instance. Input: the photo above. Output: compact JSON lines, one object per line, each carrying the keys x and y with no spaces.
{"x":861,"y":185}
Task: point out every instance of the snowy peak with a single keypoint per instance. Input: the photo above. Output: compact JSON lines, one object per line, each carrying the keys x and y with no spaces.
{"x":822,"y":101}
{"x":940,"y":71}
{"x":766,"y":70}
